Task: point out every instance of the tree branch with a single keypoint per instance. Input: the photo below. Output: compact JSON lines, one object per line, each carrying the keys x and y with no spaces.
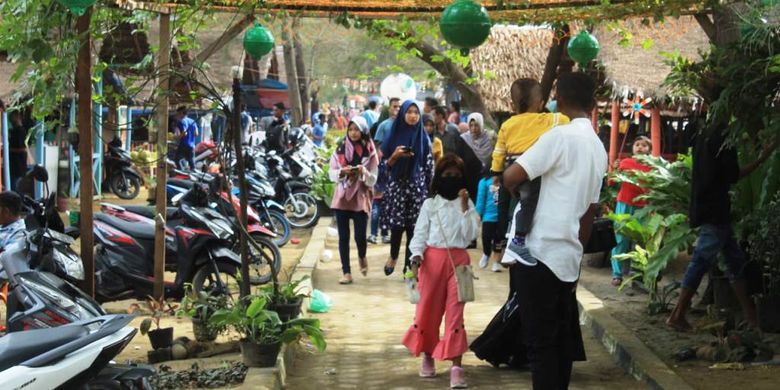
{"x":707,"y":25}
{"x":226,"y":37}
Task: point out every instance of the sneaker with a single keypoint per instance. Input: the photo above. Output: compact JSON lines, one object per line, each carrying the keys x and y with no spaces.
{"x":457,"y":378}
{"x":428,"y":369}
{"x":385,"y":239}
{"x":514,"y":252}
{"x":496,"y":267}
{"x":372,"y":239}
{"x":483,"y":262}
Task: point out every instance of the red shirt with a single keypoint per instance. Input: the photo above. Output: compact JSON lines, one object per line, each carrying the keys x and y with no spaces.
{"x":628,"y":192}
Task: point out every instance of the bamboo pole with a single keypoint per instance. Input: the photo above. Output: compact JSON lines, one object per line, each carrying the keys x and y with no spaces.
{"x":242,"y":218}
{"x":613,"y":134}
{"x":84,"y":90}
{"x":162,"y":146}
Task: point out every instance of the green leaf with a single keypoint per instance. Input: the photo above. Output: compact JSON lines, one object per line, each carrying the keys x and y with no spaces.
{"x":255,"y":307}
{"x":647,"y":44}
{"x":146,"y":325}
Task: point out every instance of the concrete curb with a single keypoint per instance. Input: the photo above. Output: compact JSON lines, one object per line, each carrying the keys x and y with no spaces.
{"x":627,"y":350}
{"x":275,"y":378}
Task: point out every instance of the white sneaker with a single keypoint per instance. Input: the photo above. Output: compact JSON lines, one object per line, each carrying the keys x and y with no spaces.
{"x":483,"y":262}
{"x":496,"y":267}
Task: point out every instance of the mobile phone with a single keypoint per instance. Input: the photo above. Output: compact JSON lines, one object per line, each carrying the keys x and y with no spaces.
{"x":406,"y":149}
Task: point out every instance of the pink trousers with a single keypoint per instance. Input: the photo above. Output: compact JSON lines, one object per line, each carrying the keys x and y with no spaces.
{"x":438,"y":297}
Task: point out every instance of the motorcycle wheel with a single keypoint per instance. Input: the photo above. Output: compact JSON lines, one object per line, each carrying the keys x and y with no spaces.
{"x":125,"y":186}
{"x":302,"y":210}
{"x":279,"y":224}
{"x":260,"y":269}
{"x":205,"y":279}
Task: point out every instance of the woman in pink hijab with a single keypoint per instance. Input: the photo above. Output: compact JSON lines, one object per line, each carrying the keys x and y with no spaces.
{"x":353,"y":167}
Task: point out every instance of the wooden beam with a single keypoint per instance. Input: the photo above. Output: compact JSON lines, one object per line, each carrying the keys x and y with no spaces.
{"x":134,"y":5}
{"x":164,"y":64}
{"x":613,"y":133}
{"x":86,"y":190}
{"x":655,"y":131}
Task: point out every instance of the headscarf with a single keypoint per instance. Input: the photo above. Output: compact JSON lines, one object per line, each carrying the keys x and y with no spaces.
{"x":405,"y":134}
{"x":482,"y":146}
{"x":350,"y":153}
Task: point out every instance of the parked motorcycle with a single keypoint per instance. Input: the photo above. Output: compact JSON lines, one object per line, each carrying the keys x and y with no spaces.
{"x":121,"y":174}
{"x":198,"y":249}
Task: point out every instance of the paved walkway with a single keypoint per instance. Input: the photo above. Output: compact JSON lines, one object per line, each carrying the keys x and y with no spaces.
{"x":368,"y":318}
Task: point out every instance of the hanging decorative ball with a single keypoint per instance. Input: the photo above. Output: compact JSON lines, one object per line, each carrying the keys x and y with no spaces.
{"x":465,"y":24}
{"x":583,"y":48}
{"x":258,"y":41}
{"x":78,"y":7}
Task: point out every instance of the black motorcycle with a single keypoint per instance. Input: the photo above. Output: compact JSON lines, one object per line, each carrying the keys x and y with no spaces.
{"x":122,"y":176}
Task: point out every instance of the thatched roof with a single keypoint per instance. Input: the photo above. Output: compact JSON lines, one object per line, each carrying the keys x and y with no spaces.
{"x":513,"y":52}
{"x":510,"y":53}
{"x":7,"y":87}
{"x":630,"y":68}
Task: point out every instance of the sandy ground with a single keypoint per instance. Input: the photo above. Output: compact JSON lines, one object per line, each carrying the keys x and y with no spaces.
{"x":629,"y":307}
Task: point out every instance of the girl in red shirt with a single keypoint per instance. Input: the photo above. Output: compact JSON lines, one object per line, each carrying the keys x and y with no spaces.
{"x":628,"y":204}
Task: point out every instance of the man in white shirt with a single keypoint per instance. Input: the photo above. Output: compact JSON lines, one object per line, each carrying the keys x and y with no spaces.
{"x":571,"y":161}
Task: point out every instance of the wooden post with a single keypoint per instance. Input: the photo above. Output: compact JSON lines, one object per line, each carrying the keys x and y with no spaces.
{"x":162,"y":148}
{"x":84,"y":90}
{"x":594,"y":118}
{"x":655,"y":131}
{"x":613,"y":134}
{"x":242,"y":218}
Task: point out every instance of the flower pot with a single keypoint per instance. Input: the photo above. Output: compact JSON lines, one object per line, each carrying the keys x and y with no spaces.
{"x":287,"y":311}
{"x":259,"y":355}
{"x":202,"y":331}
{"x":768,"y":307}
{"x":161,"y":338}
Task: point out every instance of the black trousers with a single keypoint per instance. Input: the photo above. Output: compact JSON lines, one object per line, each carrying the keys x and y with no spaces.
{"x":550,"y":325}
{"x":488,"y":236}
{"x":360,"y":220}
{"x":395,"y":243}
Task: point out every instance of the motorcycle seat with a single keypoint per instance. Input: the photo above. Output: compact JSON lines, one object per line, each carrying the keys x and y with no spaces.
{"x":19,"y":347}
{"x":183,"y":183}
{"x":143,"y":231}
{"x":150,"y":212}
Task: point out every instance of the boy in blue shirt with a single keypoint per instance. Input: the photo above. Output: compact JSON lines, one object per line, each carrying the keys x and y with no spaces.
{"x":487,"y":209}
{"x":185,"y":132}
{"x":318,"y":132}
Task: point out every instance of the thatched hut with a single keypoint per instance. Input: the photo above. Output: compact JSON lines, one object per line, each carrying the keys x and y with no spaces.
{"x":631,"y":60}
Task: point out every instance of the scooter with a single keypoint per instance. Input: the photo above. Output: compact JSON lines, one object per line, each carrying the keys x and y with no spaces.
{"x":205,"y":153}
{"x":121,"y":174}
{"x":71,"y":356}
{"x":200,"y":254}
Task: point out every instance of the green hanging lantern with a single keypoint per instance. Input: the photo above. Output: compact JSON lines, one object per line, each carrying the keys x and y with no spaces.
{"x":258,"y":41}
{"x":583,"y":48}
{"x":465,"y":24}
{"x":78,"y":7}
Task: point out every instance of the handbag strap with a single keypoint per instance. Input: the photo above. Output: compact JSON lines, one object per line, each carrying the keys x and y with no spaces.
{"x":446,"y":242}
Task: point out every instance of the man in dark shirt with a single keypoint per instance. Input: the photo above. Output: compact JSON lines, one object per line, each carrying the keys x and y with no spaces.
{"x":715,"y":169}
{"x":17,"y":149}
{"x":275,"y":127}
{"x":445,"y":131}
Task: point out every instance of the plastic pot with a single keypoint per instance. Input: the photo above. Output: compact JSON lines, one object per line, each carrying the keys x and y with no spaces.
{"x":202,"y":331}
{"x":287,"y":311}
{"x":161,"y":338}
{"x":259,"y":355}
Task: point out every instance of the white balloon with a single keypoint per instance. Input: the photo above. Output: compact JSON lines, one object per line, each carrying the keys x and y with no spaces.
{"x":399,"y":86}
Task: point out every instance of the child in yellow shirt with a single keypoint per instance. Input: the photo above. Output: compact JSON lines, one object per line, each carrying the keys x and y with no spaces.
{"x":515,"y":137}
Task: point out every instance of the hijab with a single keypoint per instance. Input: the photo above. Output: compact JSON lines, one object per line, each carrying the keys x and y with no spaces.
{"x":415,"y":137}
{"x":353,"y":153}
{"x":482,"y":146}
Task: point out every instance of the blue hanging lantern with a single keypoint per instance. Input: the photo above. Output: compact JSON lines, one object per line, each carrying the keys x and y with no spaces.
{"x":465,"y":24}
{"x":77,"y":7}
{"x":258,"y":41}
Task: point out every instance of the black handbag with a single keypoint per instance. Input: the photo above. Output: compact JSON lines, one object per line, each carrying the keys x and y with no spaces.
{"x":602,"y":236}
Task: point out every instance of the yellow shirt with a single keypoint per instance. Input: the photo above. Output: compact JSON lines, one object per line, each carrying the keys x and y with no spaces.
{"x":437,"y":149}
{"x":520,"y":132}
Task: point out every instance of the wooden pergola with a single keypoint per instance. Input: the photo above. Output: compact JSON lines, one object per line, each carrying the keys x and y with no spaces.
{"x":512,"y":11}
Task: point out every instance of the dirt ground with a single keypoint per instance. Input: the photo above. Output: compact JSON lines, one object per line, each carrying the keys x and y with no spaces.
{"x":630,"y":307}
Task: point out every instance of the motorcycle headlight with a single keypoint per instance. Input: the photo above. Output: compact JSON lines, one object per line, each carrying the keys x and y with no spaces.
{"x":57,"y":298}
{"x":70,"y":262}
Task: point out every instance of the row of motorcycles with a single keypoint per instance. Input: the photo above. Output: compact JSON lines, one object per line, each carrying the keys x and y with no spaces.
{"x":59,"y":337}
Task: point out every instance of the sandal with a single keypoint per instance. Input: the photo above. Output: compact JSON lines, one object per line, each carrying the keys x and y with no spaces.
{"x":390,"y":269}
{"x":363,"y":266}
{"x":617,"y":282}
{"x":346,"y":279}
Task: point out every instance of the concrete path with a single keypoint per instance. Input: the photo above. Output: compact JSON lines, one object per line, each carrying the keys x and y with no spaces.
{"x":368,"y":319}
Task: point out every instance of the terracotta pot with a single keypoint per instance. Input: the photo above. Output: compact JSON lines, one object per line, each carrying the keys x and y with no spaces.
{"x":259,"y":355}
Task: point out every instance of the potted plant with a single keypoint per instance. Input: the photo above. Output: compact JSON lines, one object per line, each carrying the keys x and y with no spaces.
{"x":200,"y":306}
{"x":287,"y":301}
{"x":764,"y":248}
{"x":159,"y":337}
{"x":263,"y":332}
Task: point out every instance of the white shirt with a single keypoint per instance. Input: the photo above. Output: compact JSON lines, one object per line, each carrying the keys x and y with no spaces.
{"x":456,"y":230}
{"x":572,"y":162}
